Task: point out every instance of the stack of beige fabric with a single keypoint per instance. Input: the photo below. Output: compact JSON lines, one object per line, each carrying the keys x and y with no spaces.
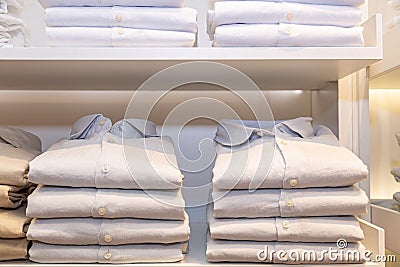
{"x":285,"y":187}
{"x":107,"y":199}
{"x":17,"y":148}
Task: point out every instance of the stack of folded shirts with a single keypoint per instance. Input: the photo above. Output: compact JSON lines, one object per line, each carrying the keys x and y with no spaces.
{"x":286,"y":23}
{"x":287,"y":187}
{"x":17,"y":148}
{"x":107,"y":199}
{"x":12,"y":28}
{"x":395,"y":4}
{"x":396,"y":171}
{"x":120,"y":23}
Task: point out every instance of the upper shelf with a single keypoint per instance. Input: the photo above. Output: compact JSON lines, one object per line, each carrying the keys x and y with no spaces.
{"x":40,"y":68}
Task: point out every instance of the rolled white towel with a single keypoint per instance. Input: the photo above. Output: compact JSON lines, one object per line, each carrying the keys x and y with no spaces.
{"x":316,"y":2}
{"x":395,"y":4}
{"x":102,"y":3}
{"x":117,"y":37}
{"x":170,"y":19}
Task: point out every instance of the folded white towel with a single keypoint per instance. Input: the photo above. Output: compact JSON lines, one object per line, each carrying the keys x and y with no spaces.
{"x":100,"y":3}
{"x":117,"y":37}
{"x":395,"y":4}
{"x":170,"y":19}
{"x":316,"y":2}
{"x":259,"y":12}
{"x":287,"y":35}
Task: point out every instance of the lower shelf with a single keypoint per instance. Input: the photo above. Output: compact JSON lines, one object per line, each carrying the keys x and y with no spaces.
{"x":374,"y":241}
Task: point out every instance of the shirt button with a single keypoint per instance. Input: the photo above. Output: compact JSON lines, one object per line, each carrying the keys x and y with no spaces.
{"x":102,"y":211}
{"x":286,"y":224}
{"x":102,"y":121}
{"x":289,"y":16}
{"x":121,"y":31}
{"x":108,"y":238}
{"x":288,"y":30}
{"x":293,"y":182}
{"x":106,"y":168}
{"x":290,"y":203}
{"x":260,"y":134}
{"x":107,"y":255}
{"x":118,"y":18}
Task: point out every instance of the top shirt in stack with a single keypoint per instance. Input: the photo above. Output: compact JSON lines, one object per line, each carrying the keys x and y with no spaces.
{"x":288,"y":186}
{"x":120,"y":23}
{"x":109,"y":194}
{"x":288,"y":23}
{"x":12,"y":28}
{"x":17,"y":148}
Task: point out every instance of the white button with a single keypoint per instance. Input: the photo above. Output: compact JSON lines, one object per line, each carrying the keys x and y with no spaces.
{"x":289,"y":203}
{"x":289,"y":16}
{"x":108,"y":238}
{"x":102,"y":211}
{"x":260,"y":134}
{"x":293,"y":182}
{"x":182,"y":176}
{"x":288,"y":30}
{"x":121,"y":31}
{"x":102,"y":121}
{"x":106,"y":168}
{"x":286,"y":224}
{"x":107,"y":255}
{"x":118,"y":18}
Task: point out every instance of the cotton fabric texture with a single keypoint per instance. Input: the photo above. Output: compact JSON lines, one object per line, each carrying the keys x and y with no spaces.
{"x":108,"y":3}
{"x":13,"y":223}
{"x":13,"y":249}
{"x":12,"y":197}
{"x":315,"y":2}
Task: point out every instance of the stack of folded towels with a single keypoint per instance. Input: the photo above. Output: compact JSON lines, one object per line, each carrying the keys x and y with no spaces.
{"x":286,"y":23}
{"x":107,"y":199}
{"x":12,"y":28}
{"x":120,"y":23}
{"x":396,"y":171}
{"x":17,"y":148}
{"x":395,"y":4}
{"x":290,"y":188}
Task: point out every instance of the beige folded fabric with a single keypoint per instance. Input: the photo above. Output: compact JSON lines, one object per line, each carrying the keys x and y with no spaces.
{"x":308,"y":229}
{"x":13,"y":249}
{"x":286,"y":252}
{"x":89,"y":231}
{"x":12,"y":197}
{"x":290,"y":203}
{"x":44,"y":253}
{"x":13,"y":223}
{"x":104,"y":162}
{"x":60,"y":202}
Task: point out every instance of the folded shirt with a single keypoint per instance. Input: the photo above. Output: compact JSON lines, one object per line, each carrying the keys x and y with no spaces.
{"x":11,"y":22}
{"x":12,"y":197}
{"x":150,"y":253}
{"x":393,"y":22}
{"x":287,"y":35}
{"x":303,"y":229}
{"x":316,"y":2}
{"x":60,"y":202}
{"x":13,"y":249}
{"x":396,"y":174}
{"x":169,"y":19}
{"x":395,"y":4}
{"x":290,"y":203}
{"x":88,"y":231}
{"x":15,"y":38}
{"x":286,"y":252}
{"x":396,"y":197}
{"x":259,"y":12}
{"x":116,"y":37}
{"x":306,"y":156}
{"x":17,"y":148}
{"x":13,"y":223}
{"x":105,"y":3}
{"x":109,"y":162}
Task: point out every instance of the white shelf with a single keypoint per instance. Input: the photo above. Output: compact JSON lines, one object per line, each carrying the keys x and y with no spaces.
{"x":44,"y":68}
{"x":374,"y":241}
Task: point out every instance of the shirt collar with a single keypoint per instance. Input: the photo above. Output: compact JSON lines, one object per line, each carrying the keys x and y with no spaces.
{"x":20,"y":139}
{"x":90,"y":124}
{"x":134,"y":128}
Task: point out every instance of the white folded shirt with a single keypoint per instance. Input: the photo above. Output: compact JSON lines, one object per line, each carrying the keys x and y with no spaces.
{"x":259,"y":12}
{"x":315,"y":2}
{"x":109,"y":162}
{"x":256,"y":160}
{"x":303,"y":229}
{"x":117,"y":37}
{"x":287,"y":35}
{"x":149,"y":253}
{"x":290,"y":203}
{"x":90,"y":231}
{"x":60,"y":202}
{"x":101,"y":3}
{"x":169,"y":19}
{"x":285,"y":252}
